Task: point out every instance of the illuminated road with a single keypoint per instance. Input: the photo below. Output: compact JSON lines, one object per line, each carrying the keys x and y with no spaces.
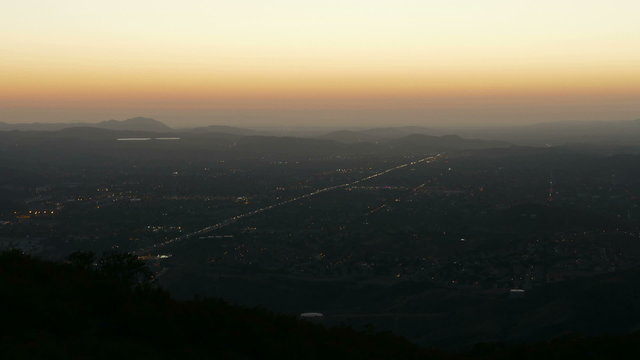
{"x":237,"y":218}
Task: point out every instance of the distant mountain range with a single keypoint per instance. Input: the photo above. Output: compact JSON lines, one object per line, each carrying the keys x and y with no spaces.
{"x":407,"y":138}
{"x":222,"y":129}
{"x":376,"y":134}
{"x":201,"y":143}
{"x":421,"y":142}
{"x":620,"y":133}
{"x":133,"y":124}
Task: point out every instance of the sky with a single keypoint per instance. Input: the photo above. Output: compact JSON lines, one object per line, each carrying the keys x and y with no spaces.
{"x":316,"y":63}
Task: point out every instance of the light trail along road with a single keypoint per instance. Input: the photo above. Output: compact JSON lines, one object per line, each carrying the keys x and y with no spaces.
{"x":237,"y":218}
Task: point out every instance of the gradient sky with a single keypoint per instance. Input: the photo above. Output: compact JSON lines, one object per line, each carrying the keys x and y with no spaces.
{"x":308,"y":62}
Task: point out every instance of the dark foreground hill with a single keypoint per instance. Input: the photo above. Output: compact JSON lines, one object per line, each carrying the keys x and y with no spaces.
{"x":80,"y":311}
{"x":107,"y":308}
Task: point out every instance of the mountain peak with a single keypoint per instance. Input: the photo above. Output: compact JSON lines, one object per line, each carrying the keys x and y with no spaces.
{"x":142,"y":119}
{"x":136,"y":123}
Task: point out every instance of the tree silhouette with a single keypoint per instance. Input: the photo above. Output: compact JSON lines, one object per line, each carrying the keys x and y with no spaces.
{"x":82,"y":260}
{"x":125,"y":268}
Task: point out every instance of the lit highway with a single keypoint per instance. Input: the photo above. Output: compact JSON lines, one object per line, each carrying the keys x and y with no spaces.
{"x":239,"y":217}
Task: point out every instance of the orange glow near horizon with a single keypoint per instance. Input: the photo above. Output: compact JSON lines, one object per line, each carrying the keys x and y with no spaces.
{"x":201,"y":55}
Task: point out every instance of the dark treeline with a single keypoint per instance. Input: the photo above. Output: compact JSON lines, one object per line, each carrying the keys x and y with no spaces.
{"x":108,"y":307}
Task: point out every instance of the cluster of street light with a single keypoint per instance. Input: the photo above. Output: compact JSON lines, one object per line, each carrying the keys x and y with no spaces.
{"x":237,"y":218}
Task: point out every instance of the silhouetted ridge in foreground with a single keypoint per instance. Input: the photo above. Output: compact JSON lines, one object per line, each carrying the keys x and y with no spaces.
{"x":108,"y":308}
{"x":111,"y":311}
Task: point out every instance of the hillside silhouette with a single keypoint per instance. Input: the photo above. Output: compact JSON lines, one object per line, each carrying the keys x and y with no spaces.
{"x":108,"y":307}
